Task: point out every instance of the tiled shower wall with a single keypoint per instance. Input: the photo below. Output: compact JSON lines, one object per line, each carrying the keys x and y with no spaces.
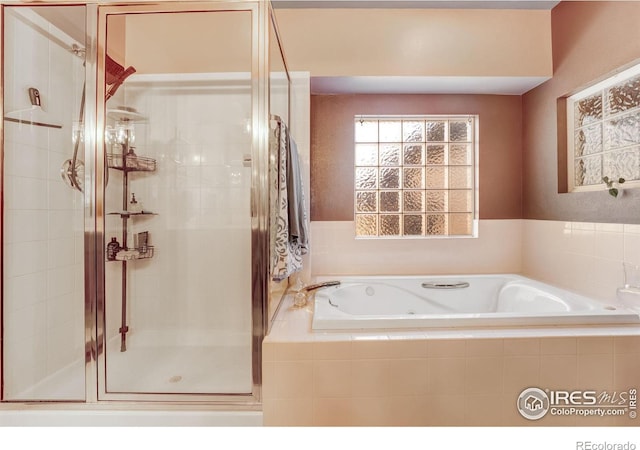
{"x":43,"y":218}
{"x":198,"y":131}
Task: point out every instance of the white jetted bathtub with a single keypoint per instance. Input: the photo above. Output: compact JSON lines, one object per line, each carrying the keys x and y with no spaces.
{"x":456,"y":301}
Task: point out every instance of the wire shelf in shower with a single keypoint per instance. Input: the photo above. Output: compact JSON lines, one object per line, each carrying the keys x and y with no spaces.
{"x":130,"y":213}
{"x":131,"y":162}
{"x":125,"y":114}
{"x":133,"y":254}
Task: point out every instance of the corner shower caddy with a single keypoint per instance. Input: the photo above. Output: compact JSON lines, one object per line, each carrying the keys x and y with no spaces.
{"x":128,"y":162}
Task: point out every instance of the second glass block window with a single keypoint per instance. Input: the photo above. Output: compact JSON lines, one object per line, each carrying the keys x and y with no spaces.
{"x":415,"y":176}
{"x":603,"y":130}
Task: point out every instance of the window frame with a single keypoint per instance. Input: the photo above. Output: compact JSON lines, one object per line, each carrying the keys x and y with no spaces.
{"x":570,"y":127}
{"x":475,"y":174}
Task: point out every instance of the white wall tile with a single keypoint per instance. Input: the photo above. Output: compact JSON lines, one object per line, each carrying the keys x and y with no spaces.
{"x":336,"y":251}
{"x":60,"y":144}
{"x":588,"y":258}
{"x":609,"y":244}
{"x":62,"y":346}
{"x":605,"y":274}
{"x":26,"y":161}
{"x":61,"y":252}
{"x":582,"y":241}
{"x":23,"y":258}
{"x":60,"y":280}
{"x":25,"y":193}
{"x":25,"y":322}
{"x":26,"y":365}
{"x":25,"y":290}
{"x":610,"y":227}
{"x":25,"y":225}
{"x":632,"y":228}
{"x":61,"y":197}
{"x":60,"y":311}
{"x":632,"y":247}
{"x":36,"y":156}
{"x":28,"y":135}
{"x":541,"y":259}
{"x":585,"y":226}
{"x":78,"y":254}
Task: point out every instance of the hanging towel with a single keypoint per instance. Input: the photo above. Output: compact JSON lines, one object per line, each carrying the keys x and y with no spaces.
{"x":295,"y":199}
{"x":288,"y":215}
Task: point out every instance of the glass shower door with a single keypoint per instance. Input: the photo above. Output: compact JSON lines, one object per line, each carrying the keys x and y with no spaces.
{"x":144,"y":278}
{"x":178,"y":277}
{"x":43,"y":354}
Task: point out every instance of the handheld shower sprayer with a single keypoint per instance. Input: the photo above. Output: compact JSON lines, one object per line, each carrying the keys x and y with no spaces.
{"x":115,"y":74}
{"x":72,"y":170}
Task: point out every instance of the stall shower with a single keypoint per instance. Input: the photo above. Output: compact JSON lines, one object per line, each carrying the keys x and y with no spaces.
{"x":135,"y":244}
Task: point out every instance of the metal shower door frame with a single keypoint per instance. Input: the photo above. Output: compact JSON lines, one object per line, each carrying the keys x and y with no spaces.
{"x":95,"y":211}
{"x":94,"y":207}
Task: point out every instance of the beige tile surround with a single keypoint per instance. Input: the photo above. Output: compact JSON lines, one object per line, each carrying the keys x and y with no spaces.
{"x":455,"y":377}
{"x":436,"y":378}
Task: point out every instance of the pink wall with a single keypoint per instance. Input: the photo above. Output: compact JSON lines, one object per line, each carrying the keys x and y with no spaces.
{"x":195,"y":42}
{"x":332,"y":157}
{"x":420,"y":42}
{"x":117,"y":37}
{"x":590,"y":41}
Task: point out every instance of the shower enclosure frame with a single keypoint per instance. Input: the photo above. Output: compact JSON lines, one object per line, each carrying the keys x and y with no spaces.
{"x":94,"y":194}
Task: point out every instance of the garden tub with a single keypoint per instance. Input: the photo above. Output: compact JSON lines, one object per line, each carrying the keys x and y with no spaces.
{"x":381,"y":302}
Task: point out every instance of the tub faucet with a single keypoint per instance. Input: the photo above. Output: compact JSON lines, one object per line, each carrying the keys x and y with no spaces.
{"x":324,"y":284}
{"x":302,"y":296}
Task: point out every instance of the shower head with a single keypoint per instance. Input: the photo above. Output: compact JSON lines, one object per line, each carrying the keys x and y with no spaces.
{"x":115,"y":74}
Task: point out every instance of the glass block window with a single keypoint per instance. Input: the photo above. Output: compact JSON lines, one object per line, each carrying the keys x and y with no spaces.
{"x":415,"y":176}
{"x":603,"y":132}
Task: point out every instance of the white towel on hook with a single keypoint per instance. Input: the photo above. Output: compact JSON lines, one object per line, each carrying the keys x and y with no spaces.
{"x":288,"y":221}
